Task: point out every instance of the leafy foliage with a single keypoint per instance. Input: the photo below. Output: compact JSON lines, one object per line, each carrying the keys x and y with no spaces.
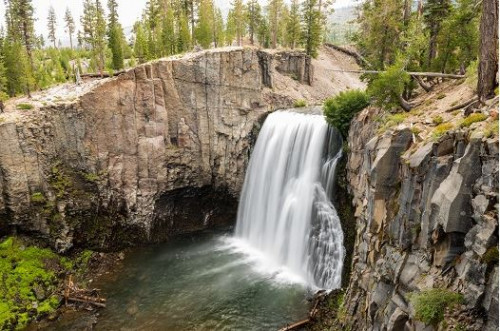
{"x":431,"y":304}
{"x":387,"y":87}
{"x":471,"y":119}
{"x":340,"y":110}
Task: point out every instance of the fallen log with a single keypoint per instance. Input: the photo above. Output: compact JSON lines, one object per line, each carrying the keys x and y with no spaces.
{"x":360,"y":60}
{"x":91,"y":302}
{"x":103,"y":75}
{"x":411,"y":73}
{"x":424,"y":85}
{"x":463,"y":105}
{"x":296,"y":325}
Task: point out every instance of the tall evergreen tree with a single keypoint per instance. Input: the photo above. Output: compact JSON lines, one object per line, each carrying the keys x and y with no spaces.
{"x":184,"y":36}
{"x":52,"y":25}
{"x":311,"y":27}
{"x":141,"y":43}
{"x":254,"y":16}
{"x":70,"y":26}
{"x":293,"y":25}
{"x":116,"y":39}
{"x":435,"y":12}
{"x":218,"y":28}
{"x":274,"y":9}
{"x":168,"y":34}
{"x":20,"y":29}
{"x":237,"y":17}
{"x":94,"y":31}
{"x":204,"y":27}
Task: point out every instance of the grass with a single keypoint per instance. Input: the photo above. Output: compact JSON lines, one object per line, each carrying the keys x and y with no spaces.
{"x":431,"y":304}
{"x":30,"y":277}
{"x":390,"y":120}
{"x":491,"y":255}
{"x":491,"y":129}
{"x":25,"y":272}
{"x":441,"y":129}
{"x":24,"y":106}
{"x":471,"y":119}
{"x":37,"y":197}
{"x":299,"y":103}
{"x":437,"y":120}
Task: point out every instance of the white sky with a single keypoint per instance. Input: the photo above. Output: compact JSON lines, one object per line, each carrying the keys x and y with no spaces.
{"x":129,"y":11}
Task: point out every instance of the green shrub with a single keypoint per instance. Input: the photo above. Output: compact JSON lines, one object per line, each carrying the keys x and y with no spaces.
{"x":300,"y":103}
{"x":24,"y":106}
{"x":37,"y":197}
{"x":437,"y":120}
{"x":25,"y":272}
{"x":441,"y":129}
{"x":340,"y":110}
{"x":441,"y":96}
{"x":386,"y":88}
{"x":471,"y":119}
{"x":430,"y":304}
{"x":491,"y":255}
{"x":491,"y":129}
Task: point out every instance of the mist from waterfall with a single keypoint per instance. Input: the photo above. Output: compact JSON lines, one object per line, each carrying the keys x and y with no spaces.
{"x":286,"y":210}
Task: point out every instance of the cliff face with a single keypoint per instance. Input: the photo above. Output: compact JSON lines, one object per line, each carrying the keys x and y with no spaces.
{"x":426,"y":217}
{"x":159,"y":150}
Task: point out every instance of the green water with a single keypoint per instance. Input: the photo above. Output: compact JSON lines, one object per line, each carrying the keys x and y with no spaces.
{"x":202,"y":282}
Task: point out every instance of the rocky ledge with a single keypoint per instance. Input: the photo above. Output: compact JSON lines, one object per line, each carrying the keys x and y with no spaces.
{"x":425,"y":190}
{"x":158,"y":150}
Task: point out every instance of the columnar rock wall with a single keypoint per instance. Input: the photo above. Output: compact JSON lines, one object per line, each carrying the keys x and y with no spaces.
{"x":92,"y":168}
{"x":426,"y":217}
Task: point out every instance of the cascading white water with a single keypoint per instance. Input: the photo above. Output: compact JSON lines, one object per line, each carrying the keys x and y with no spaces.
{"x":285,"y":209}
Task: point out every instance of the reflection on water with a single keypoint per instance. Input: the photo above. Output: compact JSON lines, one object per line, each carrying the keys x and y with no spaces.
{"x":202,"y":282}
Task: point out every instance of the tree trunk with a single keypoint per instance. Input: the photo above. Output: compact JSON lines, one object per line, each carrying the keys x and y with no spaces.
{"x":488,"y":51}
{"x":404,"y":104}
{"x":71,"y":41}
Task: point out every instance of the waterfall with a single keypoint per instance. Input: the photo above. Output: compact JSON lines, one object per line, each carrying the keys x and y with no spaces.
{"x":285,"y":208}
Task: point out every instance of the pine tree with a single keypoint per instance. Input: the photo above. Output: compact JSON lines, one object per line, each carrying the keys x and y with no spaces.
{"x":293,"y":25}
{"x":311,"y":27}
{"x":274,"y":9}
{"x":184,"y":37}
{"x":70,"y":26}
{"x":254,"y":16}
{"x":52,"y":25}
{"x":238,"y":20}
{"x":94,"y":32}
{"x":204,"y":27}
{"x":168,"y":35}
{"x":152,"y":22}
{"x":20,"y":31}
{"x":218,"y":28}
{"x":381,"y":24}
{"x":435,"y":12}
{"x":115,"y":36}
{"x":141,"y":43}
{"x":263,"y":33}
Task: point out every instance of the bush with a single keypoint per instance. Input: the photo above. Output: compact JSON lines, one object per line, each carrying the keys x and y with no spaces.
{"x":340,"y":110}
{"x":300,"y":103}
{"x":388,"y":86}
{"x":24,"y":106}
{"x":431,"y":304}
{"x":472,"y":118}
{"x":437,"y":120}
{"x":37,"y":197}
{"x":441,"y":129}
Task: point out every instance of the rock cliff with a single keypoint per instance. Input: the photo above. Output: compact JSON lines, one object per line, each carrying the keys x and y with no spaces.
{"x":425,"y":192}
{"x":158,"y":150}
